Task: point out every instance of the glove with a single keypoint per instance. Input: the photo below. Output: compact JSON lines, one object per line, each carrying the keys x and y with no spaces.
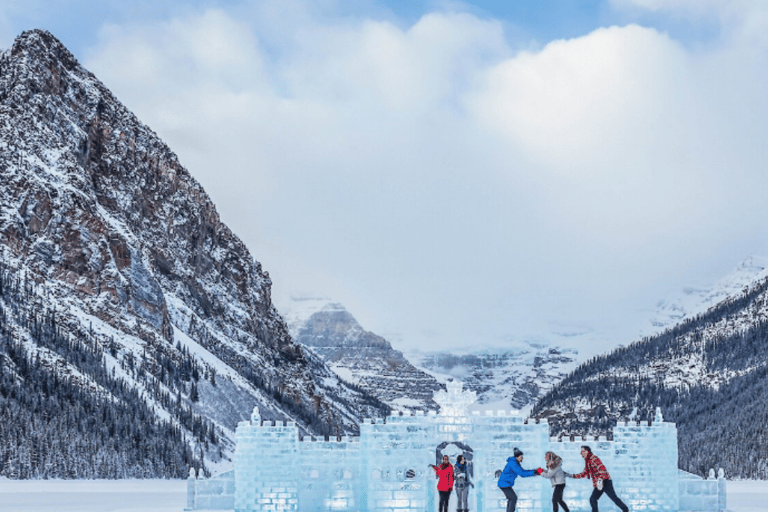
{"x":567,"y":475}
{"x":539,"y":471}
{"x":599,"y":484}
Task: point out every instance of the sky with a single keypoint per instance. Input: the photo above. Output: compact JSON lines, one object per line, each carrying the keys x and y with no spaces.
{"x":456,"y":174}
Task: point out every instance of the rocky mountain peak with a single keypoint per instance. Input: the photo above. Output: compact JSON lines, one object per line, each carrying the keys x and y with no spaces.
{"x":360,"y":357}
{"x":41,"y":64}
{"x":119,"y":238}
{"x":44,"y":50}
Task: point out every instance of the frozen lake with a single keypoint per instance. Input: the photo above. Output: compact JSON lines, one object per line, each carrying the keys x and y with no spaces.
{"x":171,"y":496}
{"x":93,"y":495}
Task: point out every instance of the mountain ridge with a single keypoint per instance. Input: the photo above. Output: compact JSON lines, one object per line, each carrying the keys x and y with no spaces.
{"x":519,"y":374}
{"x":707,"y":374}
{"x":360,"y":357}
{"x":103,"y":226}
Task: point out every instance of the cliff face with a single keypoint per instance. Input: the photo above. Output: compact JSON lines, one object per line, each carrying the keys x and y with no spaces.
{"x":95,"y":200}
{"x":361,"y":357}
{"x":115,"y":233}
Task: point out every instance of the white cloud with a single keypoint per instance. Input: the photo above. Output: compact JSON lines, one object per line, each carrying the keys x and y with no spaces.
{"x":584,"y":99}
{"x":445,"y":188}
{"x":162,"y":58}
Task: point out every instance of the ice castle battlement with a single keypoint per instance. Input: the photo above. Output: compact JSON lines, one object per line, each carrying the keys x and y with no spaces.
{"x":385,"y":468}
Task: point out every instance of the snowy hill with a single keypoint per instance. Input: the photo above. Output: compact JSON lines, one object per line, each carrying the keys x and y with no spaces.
{"x":503,"y":377}
{"x":709,"y":374}
{"x":124,"y":293}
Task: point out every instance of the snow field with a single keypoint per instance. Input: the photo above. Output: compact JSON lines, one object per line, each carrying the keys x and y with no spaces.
{"x":170,"y":495}
{"x":92,"y":495}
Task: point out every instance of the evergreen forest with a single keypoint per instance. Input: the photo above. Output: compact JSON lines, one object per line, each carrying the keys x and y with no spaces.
{"x":67,"y":410}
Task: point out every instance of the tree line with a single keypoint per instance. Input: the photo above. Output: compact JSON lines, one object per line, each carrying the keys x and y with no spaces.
{"x":66,"y":412}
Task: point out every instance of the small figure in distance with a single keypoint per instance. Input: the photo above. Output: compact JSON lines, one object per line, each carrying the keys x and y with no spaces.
{"x":556,"y":475}
{"x":512,"y":470}
{"x":601,"y":480}
{"x":444,"y":473}
{"x":461,"y":476}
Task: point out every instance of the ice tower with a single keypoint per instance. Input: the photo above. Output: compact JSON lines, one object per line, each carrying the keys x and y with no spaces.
{"x":386,"y":468}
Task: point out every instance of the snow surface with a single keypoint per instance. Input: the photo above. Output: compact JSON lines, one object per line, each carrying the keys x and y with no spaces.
{"x":170,"y":495}
{"x":93,"y":495}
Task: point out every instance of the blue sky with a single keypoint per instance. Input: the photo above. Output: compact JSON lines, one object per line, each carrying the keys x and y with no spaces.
{"x":457,"y":174}
{"x":77,"y":22}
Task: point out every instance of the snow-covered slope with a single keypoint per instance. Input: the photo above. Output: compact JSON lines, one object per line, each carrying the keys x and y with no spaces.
{"x":107,"y":234}
{"x":515,"y":375}
{"x":503,"y":377}
{"x":693,"y":301}
{"x":512,"y":376}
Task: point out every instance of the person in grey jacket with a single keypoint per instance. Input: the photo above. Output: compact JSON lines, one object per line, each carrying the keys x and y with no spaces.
{"x":462,"y":482}
{"x":556,"y":475}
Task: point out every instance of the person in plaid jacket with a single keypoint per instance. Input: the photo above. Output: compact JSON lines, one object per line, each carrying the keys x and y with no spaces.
{"x":601,"y":480}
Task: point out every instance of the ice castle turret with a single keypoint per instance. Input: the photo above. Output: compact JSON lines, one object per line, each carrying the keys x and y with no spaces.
{"x":386,"y":468}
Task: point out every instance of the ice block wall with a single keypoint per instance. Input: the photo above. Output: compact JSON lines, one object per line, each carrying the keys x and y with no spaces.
{"x":642,"y":462}
{"x":329,"y":473}
{"x":267,"y":466}
{"x":496,"y":434}
{"x":386,"y":468}
{"x":394,"y":469}
{"x":644,"y":458}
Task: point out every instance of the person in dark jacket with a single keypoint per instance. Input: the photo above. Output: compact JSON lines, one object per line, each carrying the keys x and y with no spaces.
{"x":601,"y":480}
{"x":444,"y":473}
{"x":462,"y":481}
{"x":512,"y":470}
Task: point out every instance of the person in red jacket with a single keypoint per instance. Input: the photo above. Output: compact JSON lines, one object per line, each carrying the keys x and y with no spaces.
{"x":601,"y":480}
{"x":444,"y":474}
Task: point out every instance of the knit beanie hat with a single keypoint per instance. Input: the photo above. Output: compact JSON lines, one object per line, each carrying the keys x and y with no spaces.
{"x":517,"y":452}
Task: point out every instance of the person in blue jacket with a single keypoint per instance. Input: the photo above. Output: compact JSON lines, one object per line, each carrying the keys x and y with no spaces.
{"x":512,"y":470}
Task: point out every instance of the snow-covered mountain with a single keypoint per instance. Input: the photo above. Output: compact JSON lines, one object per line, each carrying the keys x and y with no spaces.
{"x":503,"y":377}
{"x":708,"y":373}
{"x":122,"y":287}
{"x":515,"y":375}
{"x":520,"y":373}
{"x":359,"y":356}
{"x":693,"y":301}
{"x":507,"y":377}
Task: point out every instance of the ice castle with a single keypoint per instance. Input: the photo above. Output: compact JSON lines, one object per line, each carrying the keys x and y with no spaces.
{"x":386,"y":468}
